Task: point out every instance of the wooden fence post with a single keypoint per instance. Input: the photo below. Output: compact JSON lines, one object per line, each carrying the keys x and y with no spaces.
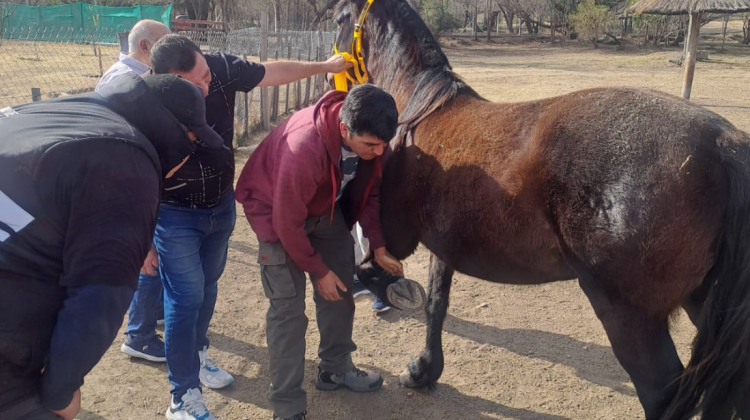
{"x":307,"y":82}
{"x":275,"y":97}
{"x":298,"y":99}
{"x":264,"y":105}
{"x":247,"y":110}
{"x":286,"y":102}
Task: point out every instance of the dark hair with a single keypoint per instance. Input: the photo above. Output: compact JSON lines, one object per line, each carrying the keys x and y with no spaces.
{"x":369,"y":109}
{"x":173,"y":53}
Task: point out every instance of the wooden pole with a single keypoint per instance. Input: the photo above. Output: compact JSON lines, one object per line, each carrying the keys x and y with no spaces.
{"x":694,"y":28}
{"x":275,"y":98}
{"x":247,"y":112}
{"x":298,"y":96}
{"x":286,"y":102}
{"x":265,"y":119}
{"x":306,"y":102}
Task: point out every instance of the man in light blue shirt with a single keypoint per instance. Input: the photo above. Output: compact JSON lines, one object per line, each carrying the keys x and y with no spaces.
{"x":142,"y":37}
{"x":141,"y":338}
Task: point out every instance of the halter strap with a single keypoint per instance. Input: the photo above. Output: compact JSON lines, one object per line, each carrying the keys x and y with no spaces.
{"x":358,"y":60}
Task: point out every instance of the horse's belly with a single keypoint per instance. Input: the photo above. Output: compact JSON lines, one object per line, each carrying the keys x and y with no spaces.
{"x":490,"y":264}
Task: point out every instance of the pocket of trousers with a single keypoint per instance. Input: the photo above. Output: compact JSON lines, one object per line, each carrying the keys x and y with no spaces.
{"x":275,"y":273}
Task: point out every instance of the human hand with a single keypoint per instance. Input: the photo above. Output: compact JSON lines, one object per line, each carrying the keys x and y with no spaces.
{"x":151,"y":263}
{"x":70,"y":412}
{"x":388,"y":262}
{"x":329,"y":285}
{"x":336,"y":64}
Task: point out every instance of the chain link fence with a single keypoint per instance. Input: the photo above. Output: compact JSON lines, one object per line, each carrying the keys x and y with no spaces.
{"x":39,"y":64}
{"x":46,"y":63}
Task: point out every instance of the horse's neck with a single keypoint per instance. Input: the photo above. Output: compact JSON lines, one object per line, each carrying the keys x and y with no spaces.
{"x":399,"y":83}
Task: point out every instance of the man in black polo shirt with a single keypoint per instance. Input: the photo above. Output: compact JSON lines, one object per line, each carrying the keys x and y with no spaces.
{"x":197,"y":215}
{"x":80,"y":179}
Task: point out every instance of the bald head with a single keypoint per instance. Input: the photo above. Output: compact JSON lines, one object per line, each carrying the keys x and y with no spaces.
{"x":143,"y":36}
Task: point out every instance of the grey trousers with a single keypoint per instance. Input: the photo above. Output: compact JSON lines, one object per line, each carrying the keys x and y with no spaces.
{"x":286,"y":324}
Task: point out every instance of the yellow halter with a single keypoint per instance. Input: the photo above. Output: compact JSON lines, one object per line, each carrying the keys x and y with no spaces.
{"x":360,"y":72}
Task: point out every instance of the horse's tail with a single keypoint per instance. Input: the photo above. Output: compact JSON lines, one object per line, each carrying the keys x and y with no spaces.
{"x":715,"y":380}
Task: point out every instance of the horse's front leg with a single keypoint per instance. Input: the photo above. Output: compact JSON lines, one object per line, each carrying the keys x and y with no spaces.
{"x":426,"y":370}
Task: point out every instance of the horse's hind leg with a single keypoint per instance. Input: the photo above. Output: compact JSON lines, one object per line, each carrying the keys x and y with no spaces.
{"x":642,"y":344}
{"x":426,"y":370}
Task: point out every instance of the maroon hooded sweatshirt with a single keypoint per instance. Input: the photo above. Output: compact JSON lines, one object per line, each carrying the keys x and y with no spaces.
{"x":294,"y":175}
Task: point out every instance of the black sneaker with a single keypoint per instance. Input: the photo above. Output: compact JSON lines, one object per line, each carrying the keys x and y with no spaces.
{"x":356,"y":380}
{"x":151,"y":350}
{"x":300,"y":416}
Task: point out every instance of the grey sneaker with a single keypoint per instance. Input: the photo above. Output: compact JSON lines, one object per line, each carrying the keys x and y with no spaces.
{"x":356,"y":380}
{"x":300,"y":416}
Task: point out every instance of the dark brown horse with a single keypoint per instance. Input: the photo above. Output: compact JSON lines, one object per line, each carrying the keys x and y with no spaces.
{"x":641,"y":196}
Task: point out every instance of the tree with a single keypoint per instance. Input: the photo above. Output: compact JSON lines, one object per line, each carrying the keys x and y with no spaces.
{"x":6,"y":11}
{"x":437,"y":16}
{"x":591,"y":20}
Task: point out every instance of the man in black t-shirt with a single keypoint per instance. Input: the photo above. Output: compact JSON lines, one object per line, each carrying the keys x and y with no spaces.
{"x":197,"y":215}
{"x":80,"y":179}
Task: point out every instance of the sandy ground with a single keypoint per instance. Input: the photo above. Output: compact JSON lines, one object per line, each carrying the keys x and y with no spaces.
{"x":512,"y":352}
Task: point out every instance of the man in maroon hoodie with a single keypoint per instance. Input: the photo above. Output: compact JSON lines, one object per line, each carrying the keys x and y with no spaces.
{"x":303,"y":188}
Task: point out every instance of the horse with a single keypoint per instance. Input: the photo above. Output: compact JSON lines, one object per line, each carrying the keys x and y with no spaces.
{"x":641,"y":196}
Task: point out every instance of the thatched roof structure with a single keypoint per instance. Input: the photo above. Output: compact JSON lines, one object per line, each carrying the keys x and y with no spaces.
{"x":683,"y":7}
{"x":696,"y":9}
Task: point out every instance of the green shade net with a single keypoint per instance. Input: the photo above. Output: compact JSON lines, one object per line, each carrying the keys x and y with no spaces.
{"x":67,"y":22}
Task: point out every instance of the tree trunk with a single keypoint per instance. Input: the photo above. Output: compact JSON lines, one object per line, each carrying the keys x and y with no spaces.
{"x":724,"y":22}
{"x":474,"y":22}
{"x":552,"y":28}
{"x":488,"y":19}
{"x":508,"y":16}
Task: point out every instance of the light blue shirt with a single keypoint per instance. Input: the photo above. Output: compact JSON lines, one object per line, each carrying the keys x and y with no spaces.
{"x":127,"y":64}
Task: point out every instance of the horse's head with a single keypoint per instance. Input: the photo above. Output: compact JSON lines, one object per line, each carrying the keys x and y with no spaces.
{"x":345,"y":14}
{"x":393,"y":48}
{"x":350,"y":16}
{"x":394,"y":291}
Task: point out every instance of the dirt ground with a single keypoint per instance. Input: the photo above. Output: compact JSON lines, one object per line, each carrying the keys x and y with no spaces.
{"x":512,"y":352}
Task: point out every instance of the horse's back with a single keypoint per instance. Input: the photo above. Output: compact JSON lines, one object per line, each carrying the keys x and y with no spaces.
{"x":634,"y":182}
{"x":598,"y":179}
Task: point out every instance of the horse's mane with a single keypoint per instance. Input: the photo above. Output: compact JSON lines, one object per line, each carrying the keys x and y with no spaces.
{"x":402,"y":40}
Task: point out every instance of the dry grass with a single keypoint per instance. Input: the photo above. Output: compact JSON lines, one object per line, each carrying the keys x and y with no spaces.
{"x":55,"y":68}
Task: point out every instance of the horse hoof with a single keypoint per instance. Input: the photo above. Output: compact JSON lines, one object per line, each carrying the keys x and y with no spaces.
{"x":407,"y":295}
{"x":406,"y":379}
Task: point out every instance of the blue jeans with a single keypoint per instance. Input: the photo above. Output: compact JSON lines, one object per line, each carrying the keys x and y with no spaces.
{"x":192,"y":246}
{"x":144,"y":308}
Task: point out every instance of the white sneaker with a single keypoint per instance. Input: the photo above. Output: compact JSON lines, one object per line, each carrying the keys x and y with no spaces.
{"x":210,"y":375}
{"x":192,"y":407}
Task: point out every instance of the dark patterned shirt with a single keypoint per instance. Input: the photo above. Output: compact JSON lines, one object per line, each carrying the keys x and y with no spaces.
{"x":208,"y":175}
